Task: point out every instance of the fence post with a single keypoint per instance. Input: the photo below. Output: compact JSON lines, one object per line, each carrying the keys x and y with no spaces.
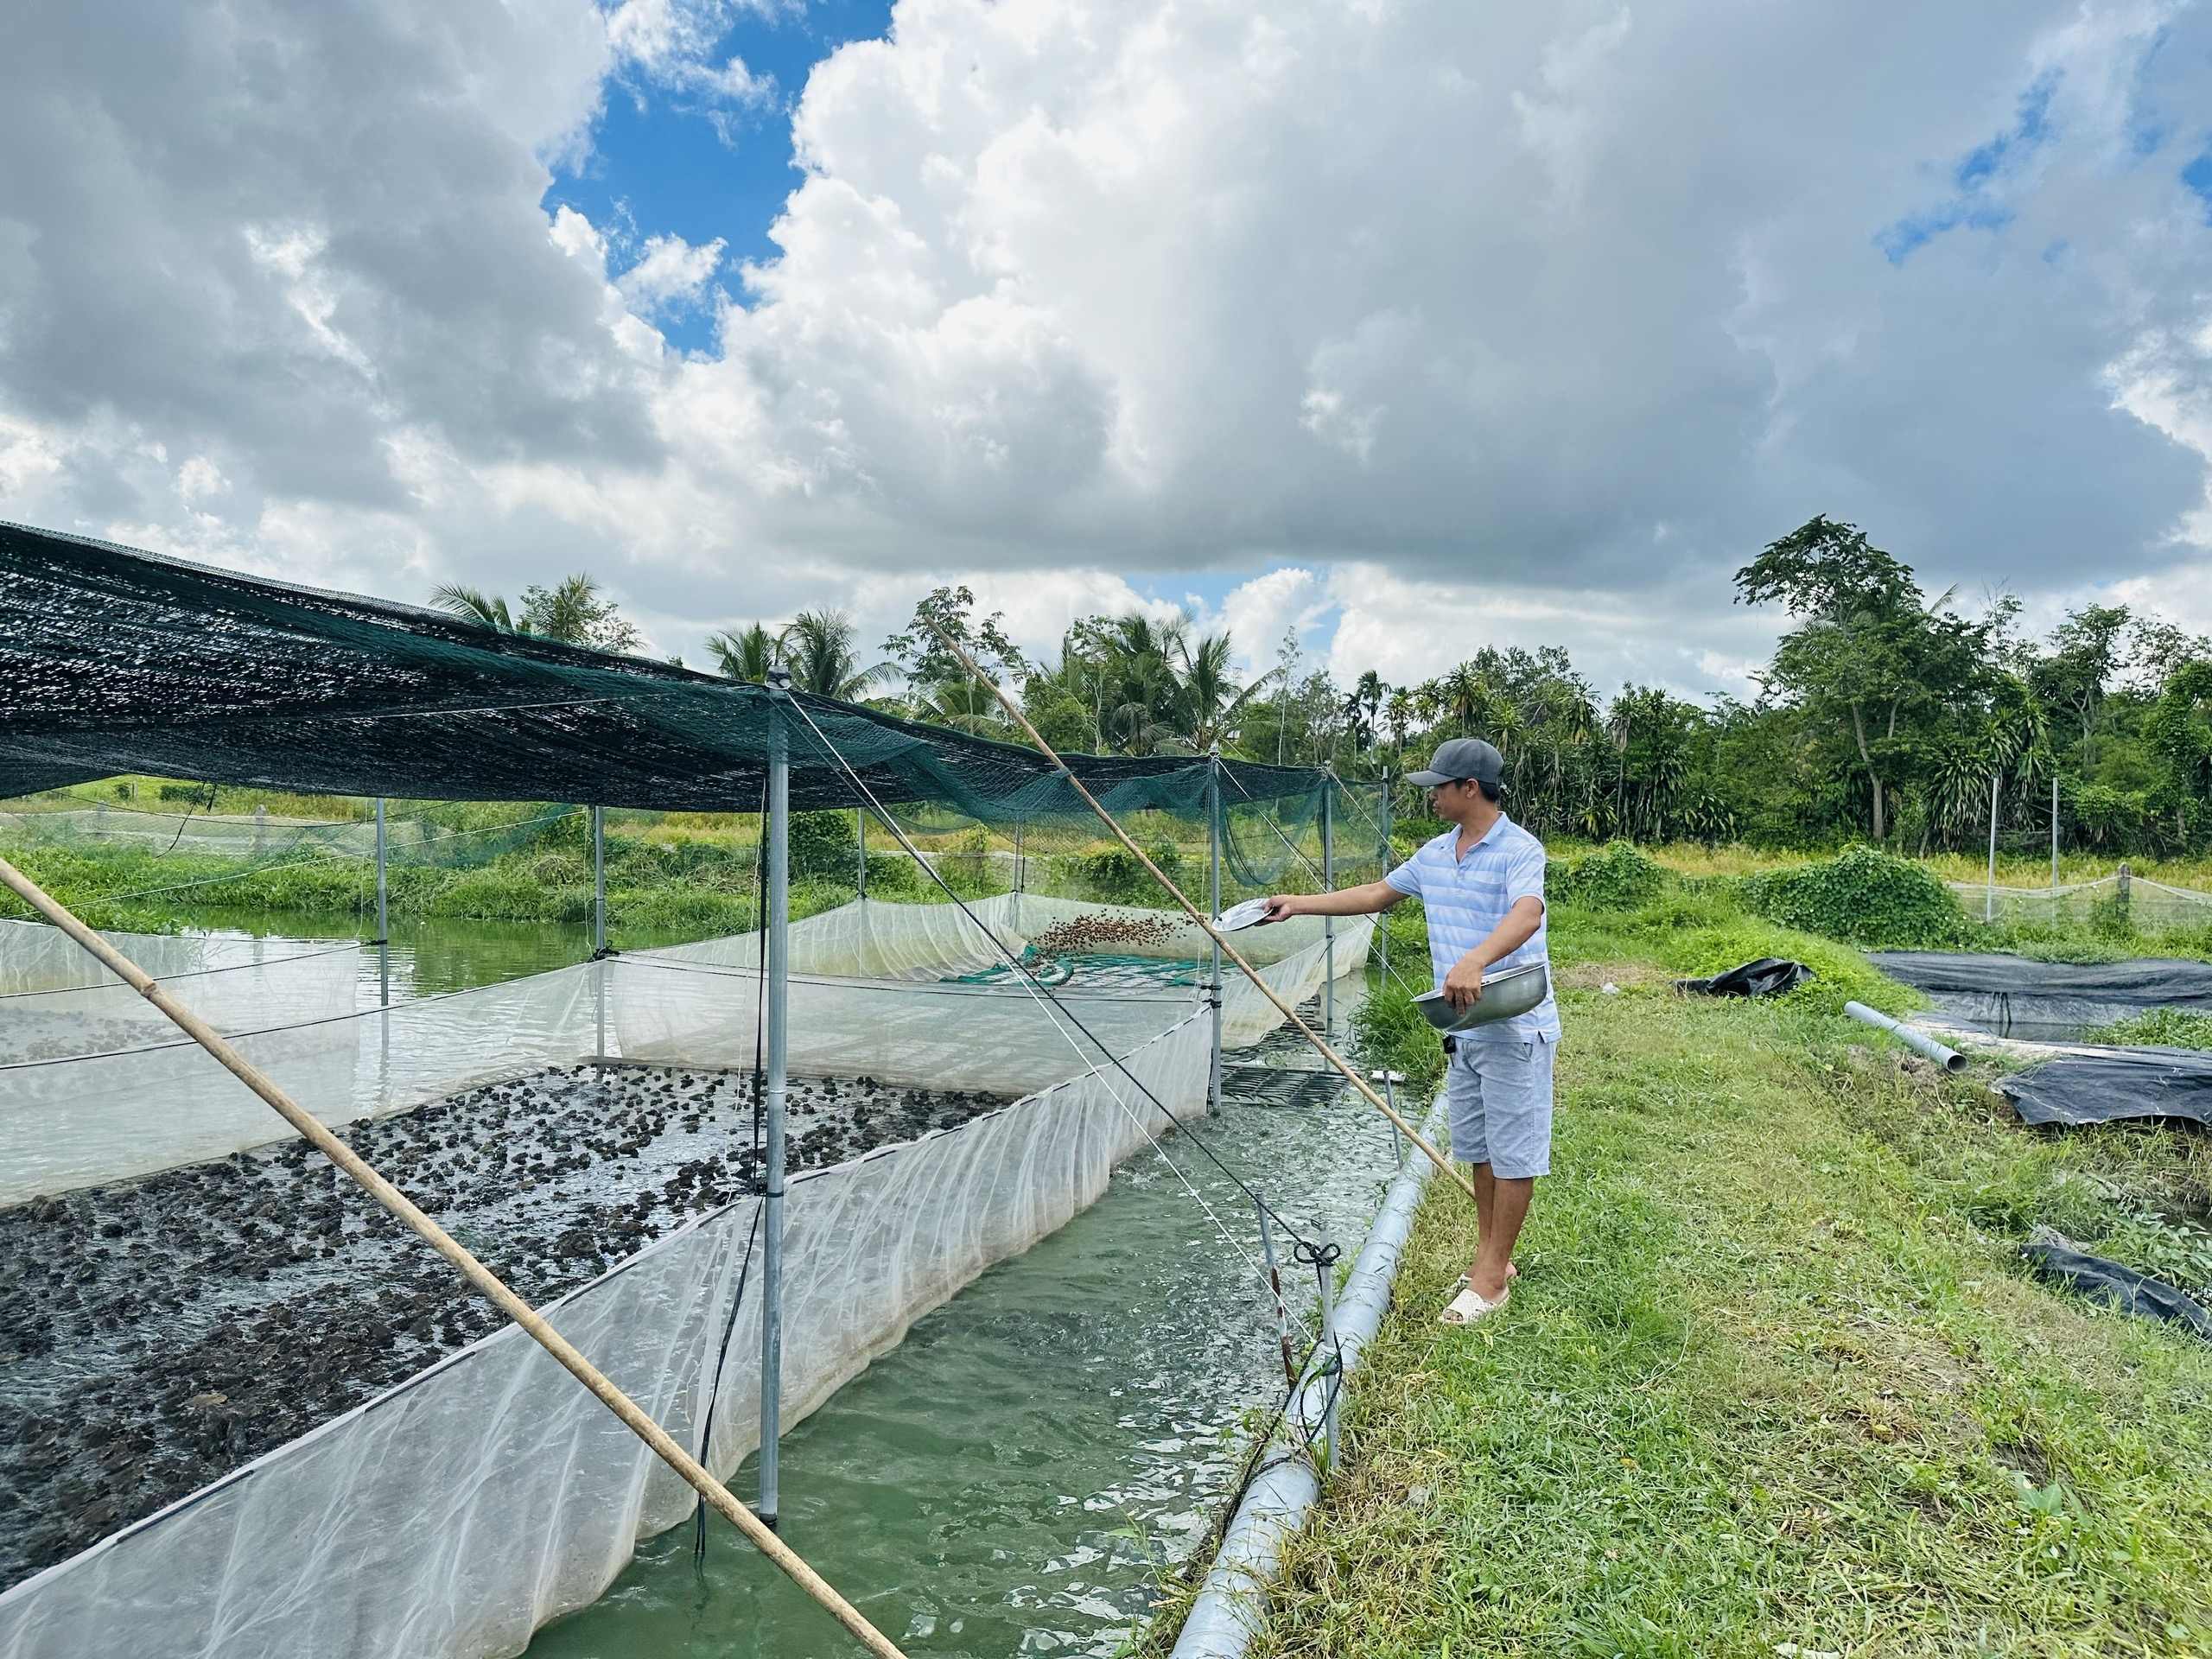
{"x":1989,"y":904}
{"x":2054,"y":846}
{"x":2120,"y":898}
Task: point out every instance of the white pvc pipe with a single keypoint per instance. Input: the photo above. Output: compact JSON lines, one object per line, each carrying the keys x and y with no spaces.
{"x":1226,"y":1615}
{"x":1919,"y":1041}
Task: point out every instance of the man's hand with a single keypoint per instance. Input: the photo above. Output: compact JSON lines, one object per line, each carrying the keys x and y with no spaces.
{"x":1463,"y":986}
{"x":1280,"y":908}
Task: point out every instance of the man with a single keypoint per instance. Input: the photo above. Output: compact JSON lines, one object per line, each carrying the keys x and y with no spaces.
{"x":1482,"y":882}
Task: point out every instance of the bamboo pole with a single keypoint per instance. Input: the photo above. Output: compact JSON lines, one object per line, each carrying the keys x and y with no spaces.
{"x":634,"y":1416}
{"x":1205,"y":922}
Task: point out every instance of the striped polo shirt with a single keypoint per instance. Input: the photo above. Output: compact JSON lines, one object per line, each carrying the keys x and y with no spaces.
{"x":1468,"y":898}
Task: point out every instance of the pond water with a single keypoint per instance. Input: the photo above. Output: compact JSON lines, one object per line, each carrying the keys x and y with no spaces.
{"x":1015,"y":1477}
{"x":428,"y":954}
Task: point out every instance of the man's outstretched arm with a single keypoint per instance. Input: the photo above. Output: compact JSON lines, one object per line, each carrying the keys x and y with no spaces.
{"x":1345,"y":901}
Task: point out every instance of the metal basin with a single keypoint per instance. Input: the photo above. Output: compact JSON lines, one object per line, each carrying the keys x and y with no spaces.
{"x":1506,"y":993}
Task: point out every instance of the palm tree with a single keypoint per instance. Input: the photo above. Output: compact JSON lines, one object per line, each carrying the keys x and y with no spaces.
{"x":746,"y":656}
{"x":1213,"y":704}
{"x":486,"y":610}
{"x":817,"y":648}
{"x":571,"y":612}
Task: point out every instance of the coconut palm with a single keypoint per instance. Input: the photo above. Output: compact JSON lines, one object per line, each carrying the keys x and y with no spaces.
{"x":571,"y":612}
{"x":817,"y":647}
{"x":746,"y":656}
{"x":470,"y":604}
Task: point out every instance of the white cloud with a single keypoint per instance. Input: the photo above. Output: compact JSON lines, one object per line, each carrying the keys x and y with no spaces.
{"x":1515,"y":325}
{"x":669,"y":272}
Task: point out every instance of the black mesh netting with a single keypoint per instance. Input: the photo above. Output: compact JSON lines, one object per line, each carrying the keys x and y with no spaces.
{"x":115,"y":661}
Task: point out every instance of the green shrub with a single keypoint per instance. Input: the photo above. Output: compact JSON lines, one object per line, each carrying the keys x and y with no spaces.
{"x":1389,"y":1031}
{"x":1616,"y":877}
{"x":1862,"y":895}
{"x":825,"y":847}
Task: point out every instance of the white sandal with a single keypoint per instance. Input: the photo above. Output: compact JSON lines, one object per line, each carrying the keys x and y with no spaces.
{"x":1471,"y":1305}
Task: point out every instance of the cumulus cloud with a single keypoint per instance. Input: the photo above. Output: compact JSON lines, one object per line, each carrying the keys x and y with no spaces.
{"x":1486,"y":324}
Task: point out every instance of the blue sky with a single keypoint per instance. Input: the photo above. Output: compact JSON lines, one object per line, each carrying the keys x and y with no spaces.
{"x":668,"y":161}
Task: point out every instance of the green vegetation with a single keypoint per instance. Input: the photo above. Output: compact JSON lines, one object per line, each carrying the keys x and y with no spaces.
{"x":2163,"y":1027}
{"x":1886,"y":717}
{"x":1774,"y":1379}
{"x":1862,"y":895}
{"x":660,"y":882}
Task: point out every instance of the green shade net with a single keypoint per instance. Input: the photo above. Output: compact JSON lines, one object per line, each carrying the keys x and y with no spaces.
{"x":114,"y":661}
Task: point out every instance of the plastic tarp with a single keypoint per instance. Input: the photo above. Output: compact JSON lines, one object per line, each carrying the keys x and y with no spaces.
{"x":1768,"y":976}
{"x":453,"y":1515}
{"x":2013,"y":996}
{"x":2107,"y":1085}
{"x":2063,"y":1263}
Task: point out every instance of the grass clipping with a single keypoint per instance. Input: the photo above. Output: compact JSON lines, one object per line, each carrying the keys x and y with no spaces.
{"x":1773,"y":1380}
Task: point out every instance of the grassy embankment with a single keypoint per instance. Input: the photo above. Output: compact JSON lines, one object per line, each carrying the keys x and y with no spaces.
{"x":1774,"y":1380}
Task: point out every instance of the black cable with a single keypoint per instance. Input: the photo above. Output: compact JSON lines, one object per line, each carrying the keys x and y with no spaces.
{"x":715,"y":1388}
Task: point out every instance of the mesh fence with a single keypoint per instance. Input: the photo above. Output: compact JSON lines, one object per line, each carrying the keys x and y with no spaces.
{"x":2149,"y":907}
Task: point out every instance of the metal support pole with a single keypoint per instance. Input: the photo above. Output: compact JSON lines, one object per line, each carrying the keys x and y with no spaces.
{"x":1019,"y":878}
{"x":776,"y":1047}
{"x":1213,"y":891}
{"x":1274,"y":1284}
{"x":598,"y":879}
{"x":859,"y":840}
{"x":1383,"y":868}
{"x":1329,"y":1342}
{"x":1390,"y":1080}
{"x":383,"y":924}
{"x":1989,"y":904}
{"x":599,"y":928}
{"x":1329,"y":881}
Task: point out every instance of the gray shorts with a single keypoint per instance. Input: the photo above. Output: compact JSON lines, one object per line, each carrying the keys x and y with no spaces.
{"x":1501,"y":1099}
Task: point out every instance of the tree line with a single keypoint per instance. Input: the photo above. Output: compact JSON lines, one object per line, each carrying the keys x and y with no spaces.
{"x":1888,"y":715}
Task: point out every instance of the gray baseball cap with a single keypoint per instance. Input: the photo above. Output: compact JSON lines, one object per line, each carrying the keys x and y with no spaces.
{"x":1461,"y":757}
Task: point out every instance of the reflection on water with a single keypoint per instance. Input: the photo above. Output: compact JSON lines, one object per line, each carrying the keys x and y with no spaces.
{"x":1012,"y":1477}
{"x":429,"y":955}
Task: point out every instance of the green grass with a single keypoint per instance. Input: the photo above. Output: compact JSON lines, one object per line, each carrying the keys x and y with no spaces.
{"x":1774,"y":1373}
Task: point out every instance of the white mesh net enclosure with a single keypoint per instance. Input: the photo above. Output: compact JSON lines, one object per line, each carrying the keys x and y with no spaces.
{"x":587,"y":1131}
{"x":2137,"y":901}
{"x":244,"y":1412}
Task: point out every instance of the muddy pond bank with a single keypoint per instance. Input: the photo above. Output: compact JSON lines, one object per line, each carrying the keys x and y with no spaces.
{"x":156,"y":1333}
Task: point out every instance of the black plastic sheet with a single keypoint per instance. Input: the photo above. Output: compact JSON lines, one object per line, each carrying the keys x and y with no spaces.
{"x":2013,"y":996}
{"x":1768,"y":976}
{"x":2108,"y":1085}
{"x":2061,"y":1262}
